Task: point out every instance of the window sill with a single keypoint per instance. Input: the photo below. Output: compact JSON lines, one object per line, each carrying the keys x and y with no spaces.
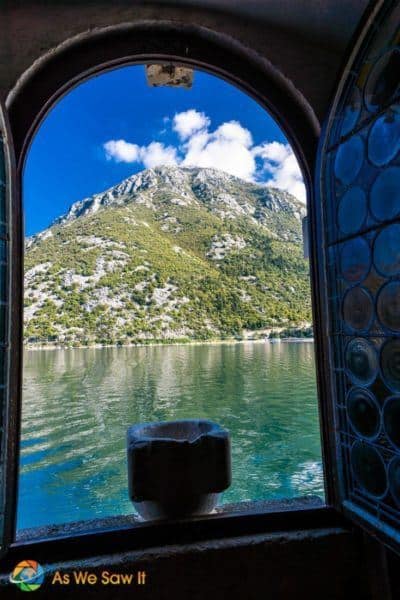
{"x":123,"y":522}
{"x":127,"y":533}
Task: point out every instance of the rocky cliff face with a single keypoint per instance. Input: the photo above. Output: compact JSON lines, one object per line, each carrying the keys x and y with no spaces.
{"x":168,"y":253}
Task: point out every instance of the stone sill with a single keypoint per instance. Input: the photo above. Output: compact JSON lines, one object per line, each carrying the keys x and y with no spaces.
{"x":130,"y":521}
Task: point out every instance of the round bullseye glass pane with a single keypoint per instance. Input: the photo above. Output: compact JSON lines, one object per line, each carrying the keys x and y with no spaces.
{"x":352,"y":210}
{"x":387,"y":250}
{"x":383,"y":81}
{"x":361,"y":361}
{"x":358,"y":308}
{"x":355,"y":260}
{"x":388,"y":305}
{"x":391,"y":419}
{"x":351,"y":112}
{"x":384,"y":139}
{"x":349,"y":159}
{"x":368,"y":469}
{"x":394,"y":478}
{"x":363,"y":412}
{"x":390,"y":364}
{"x":385,"y":194}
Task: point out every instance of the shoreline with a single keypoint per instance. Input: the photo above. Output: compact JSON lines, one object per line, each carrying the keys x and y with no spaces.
{"x":287,"y":340}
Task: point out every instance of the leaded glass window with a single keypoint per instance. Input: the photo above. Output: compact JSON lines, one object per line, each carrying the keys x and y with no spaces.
{"x":360,"y":196}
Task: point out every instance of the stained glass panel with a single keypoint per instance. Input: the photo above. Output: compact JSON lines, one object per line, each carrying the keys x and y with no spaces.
{"x":360,"y":196}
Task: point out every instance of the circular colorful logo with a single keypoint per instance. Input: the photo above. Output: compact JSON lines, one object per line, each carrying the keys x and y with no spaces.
{"x":28,"y":575}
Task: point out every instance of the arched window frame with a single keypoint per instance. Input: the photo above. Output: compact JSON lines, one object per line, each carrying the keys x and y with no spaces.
{"x":82,"y":57}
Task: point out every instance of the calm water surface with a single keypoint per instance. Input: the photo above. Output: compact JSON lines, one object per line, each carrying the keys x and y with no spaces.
{"x":78,"y":403}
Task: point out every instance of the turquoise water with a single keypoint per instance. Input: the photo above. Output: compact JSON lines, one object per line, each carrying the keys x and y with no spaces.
{"x":78,"y":403}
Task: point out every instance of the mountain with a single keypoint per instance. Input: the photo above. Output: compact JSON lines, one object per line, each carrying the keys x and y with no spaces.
{"x":169,"y":253}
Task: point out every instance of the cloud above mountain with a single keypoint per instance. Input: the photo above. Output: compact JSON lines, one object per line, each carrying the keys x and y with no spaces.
{"x":229,"y":147}
{"x":189,"y":122}
{"x":152,"y":155}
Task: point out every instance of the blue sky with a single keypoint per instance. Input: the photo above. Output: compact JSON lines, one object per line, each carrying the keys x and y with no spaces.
{"x":115,"y":125}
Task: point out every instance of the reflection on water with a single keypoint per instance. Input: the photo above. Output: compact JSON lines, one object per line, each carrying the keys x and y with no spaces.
{"x":78,"y":403}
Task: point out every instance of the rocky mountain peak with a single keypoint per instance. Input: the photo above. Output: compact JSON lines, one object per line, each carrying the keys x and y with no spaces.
{"x":191,"y":185}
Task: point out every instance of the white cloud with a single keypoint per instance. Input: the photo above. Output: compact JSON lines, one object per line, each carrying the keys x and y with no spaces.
{"x":233,"y":131}
{"x":121,"y":151}
{"x":229,"y":148}
{"x":156,"y":154}
{"x":188,"y":122}
{"x":280,"y":163}
{"x":153,"y":155}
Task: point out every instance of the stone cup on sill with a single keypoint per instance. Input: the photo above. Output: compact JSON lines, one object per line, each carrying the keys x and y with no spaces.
{"x":177,"y":469}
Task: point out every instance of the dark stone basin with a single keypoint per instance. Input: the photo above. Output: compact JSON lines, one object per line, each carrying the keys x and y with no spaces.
{"x":177,"y":469}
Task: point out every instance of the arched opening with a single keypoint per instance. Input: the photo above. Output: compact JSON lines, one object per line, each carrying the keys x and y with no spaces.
{"x":214,"y":147}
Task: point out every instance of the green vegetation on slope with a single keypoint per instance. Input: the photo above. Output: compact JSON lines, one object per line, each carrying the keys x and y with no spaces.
{"x":169,"y":264}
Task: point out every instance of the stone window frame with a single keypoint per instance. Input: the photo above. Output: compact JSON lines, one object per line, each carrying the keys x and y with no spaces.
{"x":48,"y":80}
